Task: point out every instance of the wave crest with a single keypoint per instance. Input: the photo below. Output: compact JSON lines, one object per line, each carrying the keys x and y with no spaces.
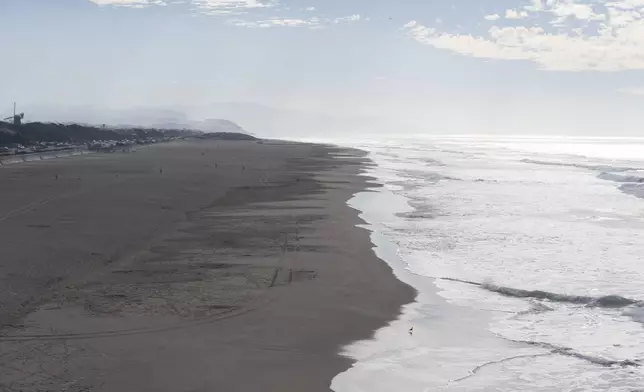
{"x":580,"y":165}
{"x":604,"y":301}
{"x":619,"y":177}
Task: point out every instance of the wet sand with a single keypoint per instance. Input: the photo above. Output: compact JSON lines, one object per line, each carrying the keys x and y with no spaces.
{"x":190,"y":266}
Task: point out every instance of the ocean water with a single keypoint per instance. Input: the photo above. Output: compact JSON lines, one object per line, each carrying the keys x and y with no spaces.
{"x":528,"y":256}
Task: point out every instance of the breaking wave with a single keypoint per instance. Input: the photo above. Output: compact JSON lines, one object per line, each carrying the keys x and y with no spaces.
{"x":633,"y":189}
{"x":619,"y":177}
{"x":631,"y":184}
{"x":605,"y":301}
{"x":607,"y":168}
{"x":429,"y":177}
{"x":431,"y":162}
{"x":567,"y":351}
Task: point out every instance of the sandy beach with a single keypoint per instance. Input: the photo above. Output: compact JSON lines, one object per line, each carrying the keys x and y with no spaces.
{"x":188,"y":266}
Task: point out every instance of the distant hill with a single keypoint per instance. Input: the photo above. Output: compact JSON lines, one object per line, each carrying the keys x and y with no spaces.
{"x":218,"y":125}
{"x":208,"y":125}
{"x":157,"y":118}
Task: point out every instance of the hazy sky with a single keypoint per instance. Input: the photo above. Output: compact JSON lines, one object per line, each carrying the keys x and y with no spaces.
{"x":554,"y":66}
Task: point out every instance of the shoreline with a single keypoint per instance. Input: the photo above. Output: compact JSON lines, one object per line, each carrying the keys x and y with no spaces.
{"x":271,"y":273}
{"x":448,"y":336}
{"x":388,"y":360}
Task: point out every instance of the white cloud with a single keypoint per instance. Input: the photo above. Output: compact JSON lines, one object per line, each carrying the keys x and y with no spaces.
{"x":242,"y":7}
{"x":492,"y":17}
{"x":209,"y":7}
{"x":604,"y":36}
{"x":312,"y":23}
{"x":129,"y":3}
{"x":514,"y":14}
{"x":580,"y":11}
{"x":537,"y":5}
{"x":275,"y":22}
{"x":217,"y":7}
{"x":350,"y":18}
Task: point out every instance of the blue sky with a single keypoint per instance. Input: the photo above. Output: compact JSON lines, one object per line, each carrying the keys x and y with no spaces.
{"x":512,"y":66}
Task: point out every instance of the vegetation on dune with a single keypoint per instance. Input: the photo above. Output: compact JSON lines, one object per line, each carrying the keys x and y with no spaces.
{"x":8,"y":136}
{"x":226,"y":136}
{"x":30,"y":133}
{"x":45,"y":134}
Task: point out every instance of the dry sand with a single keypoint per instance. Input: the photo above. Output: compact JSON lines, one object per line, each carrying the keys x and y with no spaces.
{"x":190,"y":266}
